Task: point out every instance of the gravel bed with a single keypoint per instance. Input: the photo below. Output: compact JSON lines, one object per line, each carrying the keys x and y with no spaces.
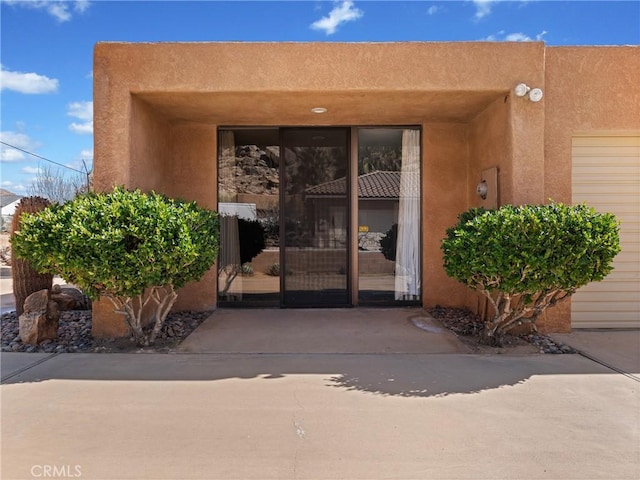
{"x":74,"y":334}
{"x":466,"y":324}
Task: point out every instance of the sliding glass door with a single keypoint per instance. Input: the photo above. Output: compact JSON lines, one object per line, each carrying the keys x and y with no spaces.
{"x":315,"y":214}
{"x":389,"y":216}
{"x":319,"y":216}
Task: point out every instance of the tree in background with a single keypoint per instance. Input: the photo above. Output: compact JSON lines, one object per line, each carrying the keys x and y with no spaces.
{"x":57,"y":187}
{"x":131,"y":247}
{"x":528,"y":258}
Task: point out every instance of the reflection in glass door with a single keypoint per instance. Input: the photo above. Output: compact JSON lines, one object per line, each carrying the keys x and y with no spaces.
{"x":249,"y":207}
{"x":315,"y":217}
{"x":389,"y":216}
{"x":286,"y":196}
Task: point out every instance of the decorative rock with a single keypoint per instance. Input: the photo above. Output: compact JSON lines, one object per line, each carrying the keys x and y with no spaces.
{"x":567,"y":349}
{"x":37,"y":302}
{"x":74,"y":333}
{"x":64,"y":302}
{"x":40,"y":319}
{"x":65,"y":294}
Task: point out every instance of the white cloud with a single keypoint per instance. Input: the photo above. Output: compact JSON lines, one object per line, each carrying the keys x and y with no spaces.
{"x":8,"y":155}
{"x":342,"y":12}
{"x":29,"y":83}
{"x":483,"y":7}
{"x":433,"y":9}
{"x":59,"y":10}
{"x":83,"y":160}
{"x":17,"y":139}
{"x":82,"y":111}
{"x":32,"y":170}
{"x":14,"y":187}
{"x":81,"y":6}
{"x":85,"y":128}
{"x":517,"y":37}
{"x":502,"y":36}
{"x":86,"y":155}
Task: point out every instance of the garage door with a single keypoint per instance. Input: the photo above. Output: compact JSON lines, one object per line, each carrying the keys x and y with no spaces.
{"x":606,"y":176}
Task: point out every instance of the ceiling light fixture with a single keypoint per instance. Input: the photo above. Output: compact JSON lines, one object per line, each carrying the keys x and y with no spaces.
{"x":319,"y":110}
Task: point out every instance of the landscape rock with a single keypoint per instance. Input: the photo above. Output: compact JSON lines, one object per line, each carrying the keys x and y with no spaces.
{"x":40,"y":319}
{"x":74,"y":334}
{"x":37,"y":301}
{"x":64,"y":294}
{"x":64,"y":302}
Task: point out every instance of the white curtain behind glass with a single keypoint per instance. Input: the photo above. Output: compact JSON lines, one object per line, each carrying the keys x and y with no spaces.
{"x":229,"y":268}
{"x":407,"y":281}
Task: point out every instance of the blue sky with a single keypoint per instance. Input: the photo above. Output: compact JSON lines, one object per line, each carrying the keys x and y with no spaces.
{"x":47,"y":48}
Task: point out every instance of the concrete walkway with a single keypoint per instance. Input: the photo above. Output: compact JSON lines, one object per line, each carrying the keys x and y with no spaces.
{"x":618,"y":349}
{"x":331,"y":330}
{"x":318,"y":416}
{"x":307,"y":394}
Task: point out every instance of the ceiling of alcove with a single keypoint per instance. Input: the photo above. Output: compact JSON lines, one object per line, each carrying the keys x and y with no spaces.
{"x":294,"y":108}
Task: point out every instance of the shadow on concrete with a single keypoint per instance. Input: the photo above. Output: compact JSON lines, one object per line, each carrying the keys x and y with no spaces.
{"x":391,"y":374}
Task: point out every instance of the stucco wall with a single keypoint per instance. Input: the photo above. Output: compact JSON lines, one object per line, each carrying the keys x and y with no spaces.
{"x":445,"y":158}
{"x":240,"y":67}
{"x":156,"y":107}
{"x":192,"y":175}
{"x":588,"y":90}
{"x":149,"y":147}
{"x":490,"y":146}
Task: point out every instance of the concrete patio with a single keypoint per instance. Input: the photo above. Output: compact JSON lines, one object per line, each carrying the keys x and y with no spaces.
{"x":336,"y":330}
{"x":326,"y":394}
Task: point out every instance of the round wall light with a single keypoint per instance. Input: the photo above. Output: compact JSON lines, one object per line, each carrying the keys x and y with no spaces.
{"x":319,"y":110}
{"x":521,"y":89}
{"x":535,"y":95}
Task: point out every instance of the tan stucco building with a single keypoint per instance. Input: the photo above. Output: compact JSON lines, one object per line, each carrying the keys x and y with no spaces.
{"x":161,"y":112}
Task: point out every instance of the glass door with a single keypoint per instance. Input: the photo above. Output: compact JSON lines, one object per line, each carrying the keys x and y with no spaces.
{"x":389,"y":216}
{"x":314,"y":225}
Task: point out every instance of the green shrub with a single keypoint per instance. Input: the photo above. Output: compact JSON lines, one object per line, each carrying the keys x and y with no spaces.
{"x":273,"y":270}
{"x":388,"y":243}
{"x":252,"y":239}
{"x":526,"y":259}
{"x":130,"y":247}
{"x":247,"y":269}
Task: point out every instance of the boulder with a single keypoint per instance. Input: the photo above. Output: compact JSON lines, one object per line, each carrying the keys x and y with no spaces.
{"x":70,"y":298}
{"x":37,"y":301}
{"x":40,"y":319}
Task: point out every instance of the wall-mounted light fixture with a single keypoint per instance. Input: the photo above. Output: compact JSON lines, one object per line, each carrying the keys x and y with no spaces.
{"x":482,"y":189}
{"x":535,"y":94}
